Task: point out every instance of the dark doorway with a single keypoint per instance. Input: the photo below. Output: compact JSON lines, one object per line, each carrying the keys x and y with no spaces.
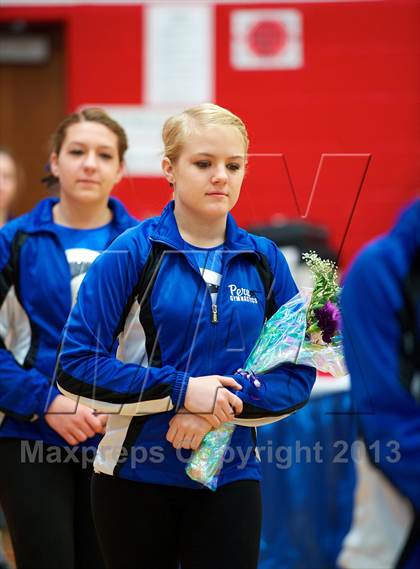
{"x":32,"y":99}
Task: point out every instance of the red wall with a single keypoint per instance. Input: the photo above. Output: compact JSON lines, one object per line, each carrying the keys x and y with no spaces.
{"x":358,"y":93}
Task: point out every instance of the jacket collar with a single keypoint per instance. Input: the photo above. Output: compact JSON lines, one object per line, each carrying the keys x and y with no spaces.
{"x":166,"y":231}
{"x":42,"y":217}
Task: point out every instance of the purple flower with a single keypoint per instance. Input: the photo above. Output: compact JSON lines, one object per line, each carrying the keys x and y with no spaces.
{"x":328,"y":318}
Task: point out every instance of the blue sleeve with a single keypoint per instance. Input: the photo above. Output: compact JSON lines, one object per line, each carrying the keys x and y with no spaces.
{"x":24,"y":394}
{"x":286,"y":388}
{"x":388,"y":414}
{"x":88,"y":370}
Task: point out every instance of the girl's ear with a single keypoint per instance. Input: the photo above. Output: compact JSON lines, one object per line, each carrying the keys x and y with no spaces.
{"x":168,"y":170}
{"x":121,"y":172}
{"x":54,"y":164}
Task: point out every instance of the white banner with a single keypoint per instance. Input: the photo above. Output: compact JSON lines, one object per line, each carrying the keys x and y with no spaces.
{"x":143,"y":126}
{"x":178,"y":54}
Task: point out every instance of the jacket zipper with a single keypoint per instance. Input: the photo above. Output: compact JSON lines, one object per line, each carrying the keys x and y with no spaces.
{"x":214,"y":314}
{"x":214,"y":307}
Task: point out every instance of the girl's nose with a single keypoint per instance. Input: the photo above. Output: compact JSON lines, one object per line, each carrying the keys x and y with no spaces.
{"x":90,"y":161}
{"x":219,"y":175}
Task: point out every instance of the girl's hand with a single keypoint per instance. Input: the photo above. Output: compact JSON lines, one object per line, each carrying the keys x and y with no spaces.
{"x":207,"y":396}
{"x":187,"y":430}
{"x":74,"y":424}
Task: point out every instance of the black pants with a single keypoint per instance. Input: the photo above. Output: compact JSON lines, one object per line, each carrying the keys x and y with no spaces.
{"x":151,"y":526}
{"x":47,"y":505}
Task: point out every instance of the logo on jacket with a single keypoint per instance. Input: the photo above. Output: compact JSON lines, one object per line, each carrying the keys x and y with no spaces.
{"x":240,"y":294}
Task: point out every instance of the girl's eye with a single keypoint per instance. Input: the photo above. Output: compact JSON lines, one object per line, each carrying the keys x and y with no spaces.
{"x":202,"y":164}
{"x":76,"y":152}
{"x":105,"y":156}
{"x":233,"y":166}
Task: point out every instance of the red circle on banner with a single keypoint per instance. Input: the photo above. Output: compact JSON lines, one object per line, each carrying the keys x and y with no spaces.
{"x":267,"y":37}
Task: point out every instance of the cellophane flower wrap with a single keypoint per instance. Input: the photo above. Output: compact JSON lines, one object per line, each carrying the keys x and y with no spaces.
{"x":305,"y":330}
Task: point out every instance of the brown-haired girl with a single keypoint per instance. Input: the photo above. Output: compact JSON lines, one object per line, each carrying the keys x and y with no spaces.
{"x":45,"y":440}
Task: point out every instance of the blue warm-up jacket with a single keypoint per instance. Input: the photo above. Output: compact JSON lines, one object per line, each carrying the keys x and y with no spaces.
{"x":35,"y":301}
{"x":381,"y":313}
{"x":144,"y":324}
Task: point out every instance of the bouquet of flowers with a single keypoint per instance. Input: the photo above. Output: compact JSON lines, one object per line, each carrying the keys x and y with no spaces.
{"x":305,"y":330}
